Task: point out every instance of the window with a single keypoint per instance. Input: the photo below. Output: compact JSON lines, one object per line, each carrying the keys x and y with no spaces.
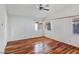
{"x":48,"y":26}
{"x":36,"y":26}
{"x":76,"y":26}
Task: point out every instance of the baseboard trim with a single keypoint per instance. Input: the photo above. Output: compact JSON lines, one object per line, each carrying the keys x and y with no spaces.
{"x":27,"y":39}
{"x":61,"y":41}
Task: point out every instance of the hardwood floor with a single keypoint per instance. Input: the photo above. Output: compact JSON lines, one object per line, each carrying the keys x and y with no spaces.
{"x":40,"y":45}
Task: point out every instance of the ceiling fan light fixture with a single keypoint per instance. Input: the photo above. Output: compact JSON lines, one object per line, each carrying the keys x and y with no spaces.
{"x":42,"y":7}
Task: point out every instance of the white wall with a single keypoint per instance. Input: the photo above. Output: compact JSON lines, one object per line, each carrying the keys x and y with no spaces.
{"x":62,"y":28}
{"x":3,"y":28}
{"x":20,"y":27}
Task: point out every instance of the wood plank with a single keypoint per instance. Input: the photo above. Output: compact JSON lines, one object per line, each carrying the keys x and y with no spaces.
{"x":51,"y":46}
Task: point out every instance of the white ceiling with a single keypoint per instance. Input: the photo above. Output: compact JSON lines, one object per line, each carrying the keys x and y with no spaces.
{"x":30,"y":11}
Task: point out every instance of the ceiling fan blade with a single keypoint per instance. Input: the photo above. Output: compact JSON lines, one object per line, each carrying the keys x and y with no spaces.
{"x":47,"y":5}
{"x":46,"y":9}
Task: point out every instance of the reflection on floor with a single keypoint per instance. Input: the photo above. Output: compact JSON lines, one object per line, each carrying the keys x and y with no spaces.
{"x":40,"y":45}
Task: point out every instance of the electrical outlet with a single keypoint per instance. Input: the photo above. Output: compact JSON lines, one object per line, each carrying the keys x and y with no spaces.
{"x":1,"y":24}
{"x":24,"y":36}
{"x":1,"y":52}
{"x":69,"y":40}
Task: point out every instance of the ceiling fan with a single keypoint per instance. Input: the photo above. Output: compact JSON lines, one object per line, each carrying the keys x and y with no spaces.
{"x":43,"y":7}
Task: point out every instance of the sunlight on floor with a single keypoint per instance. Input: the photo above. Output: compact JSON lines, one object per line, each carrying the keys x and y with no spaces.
{"x":41,"y":48}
